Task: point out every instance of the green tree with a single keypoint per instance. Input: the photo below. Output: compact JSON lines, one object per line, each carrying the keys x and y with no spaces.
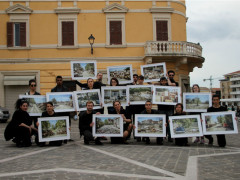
{"x":89,"y":67}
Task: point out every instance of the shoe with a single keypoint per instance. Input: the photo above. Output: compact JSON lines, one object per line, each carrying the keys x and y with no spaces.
{"x":86,"y":142}
{"x":210,"y":143}
{"x":103,"y":138}
{"x":97,"y":142}
{"x":170,"y":140}
{"x":147,"y":141}
{"x":125,"y":142}
{"x":202,"y":141}
{"x":138,"y":139}
{"x":196,"y":140}
{"x":144,"y":139}
{"x":70,"y":140}
{"x":65,"y":141}
{"x":159,"y":143}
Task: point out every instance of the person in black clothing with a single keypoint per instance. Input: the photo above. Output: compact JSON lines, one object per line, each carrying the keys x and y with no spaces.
{"x":49,"y":113}
{"x":127,"y":125}
{"x":19,"y":129}
{"x":216,"y":107}
{"x":171,"y":81}
{"x":32,"y":85}
{"x":59,"y":87}
{"x":168,"y":110}
{"x":85,"y":124}
{"x":113,"y":82}
{"x":149,"y":110}
{"x":179,"y":112}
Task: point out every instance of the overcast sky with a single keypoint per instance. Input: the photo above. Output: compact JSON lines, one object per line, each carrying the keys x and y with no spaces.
{"x":215,"y":24}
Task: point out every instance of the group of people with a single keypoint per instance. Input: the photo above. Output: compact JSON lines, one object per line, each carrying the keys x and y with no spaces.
{"x":20,"y":128}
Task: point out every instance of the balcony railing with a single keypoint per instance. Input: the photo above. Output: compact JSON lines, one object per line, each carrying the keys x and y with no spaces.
{"x":179,"y":48}
{"x":235,"y":93}
{"x":235,"y":79}
{"x":235,"y":86}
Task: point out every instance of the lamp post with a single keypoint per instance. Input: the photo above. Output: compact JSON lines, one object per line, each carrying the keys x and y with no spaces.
{"x":91,"y":41}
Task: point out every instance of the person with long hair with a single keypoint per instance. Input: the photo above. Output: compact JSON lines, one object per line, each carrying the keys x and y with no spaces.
{"x":196,"y":89}
{"x":20,"y":127}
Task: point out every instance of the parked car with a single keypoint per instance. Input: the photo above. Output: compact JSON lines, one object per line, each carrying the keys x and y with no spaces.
{"x":180,"y":130}
{"x":4,"y":114}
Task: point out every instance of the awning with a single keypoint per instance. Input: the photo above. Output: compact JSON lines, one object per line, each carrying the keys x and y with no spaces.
{"x":16,"y":80}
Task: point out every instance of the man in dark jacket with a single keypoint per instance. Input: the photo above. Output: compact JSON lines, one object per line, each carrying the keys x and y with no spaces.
{"x":149,"y":110}
{"x":85,"y":124}
{"x":59,"y":87}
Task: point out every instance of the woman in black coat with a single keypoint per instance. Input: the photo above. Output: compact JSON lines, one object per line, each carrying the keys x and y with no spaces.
{"x":20,"y":129}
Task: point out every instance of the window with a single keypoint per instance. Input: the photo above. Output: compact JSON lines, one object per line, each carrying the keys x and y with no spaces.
{"x":162,"y":30}
{"x":16,"y":34}
{"x":67,"y":33}
{"x":115,"y":32}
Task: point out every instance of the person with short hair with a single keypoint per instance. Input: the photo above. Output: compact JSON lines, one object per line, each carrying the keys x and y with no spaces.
{"x":127,"y":125}
{"x":86,"y":124}
{"x":59,"y":87}
{"x":171,"y":81}
{"x":179,"y":112}
{"x":20,"y":127}
{"x":149,"y":110}
{"x":216,"y":107}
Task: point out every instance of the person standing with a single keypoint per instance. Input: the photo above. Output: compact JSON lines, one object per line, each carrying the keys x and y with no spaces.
{"x":32,"y":86}
{"x":149,"y":110}
{"x":85,"y":124}
{"x":196,"y":89}
{"x":216,"y":107}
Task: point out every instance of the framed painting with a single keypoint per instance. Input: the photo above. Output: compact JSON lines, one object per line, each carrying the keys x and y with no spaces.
{"x":150,"y":125}
{"x":219,"y":123}
{"x":153,"y":72}
{"x":82,"y":97}
{"x":62,"y":101}
{"x":113,"y":93}
{"x":196,"y":102}
{"x":107,"y":125}
{"x":139,"y":94}
{"x":36,"y":104}
{"x":169,"y":95}
{"x":53,"y":128}
{"x":185,"y":126}
{"x":122,"y":73}
{"x":83,"y":70}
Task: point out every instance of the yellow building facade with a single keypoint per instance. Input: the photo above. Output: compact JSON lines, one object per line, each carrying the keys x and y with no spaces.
{"x":39,"y":39}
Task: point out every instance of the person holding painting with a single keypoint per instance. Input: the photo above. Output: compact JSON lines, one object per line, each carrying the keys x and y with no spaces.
{"x":196,"y":89}
{"x":127,"y":125}
{"x":216,"y":107}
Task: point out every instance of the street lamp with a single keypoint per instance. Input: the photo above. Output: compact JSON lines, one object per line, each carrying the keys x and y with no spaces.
{"x":91,"y":41}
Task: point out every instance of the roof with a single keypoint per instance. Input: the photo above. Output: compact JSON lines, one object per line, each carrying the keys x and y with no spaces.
{"x":232,"y":73}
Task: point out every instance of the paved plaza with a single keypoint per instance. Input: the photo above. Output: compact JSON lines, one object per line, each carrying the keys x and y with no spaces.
{"x":75,"y":160}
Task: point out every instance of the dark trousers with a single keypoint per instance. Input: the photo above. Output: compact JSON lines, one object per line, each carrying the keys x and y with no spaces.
{"x":23,"y":136}
{"x":181,"y":141}
{"x":220,"y":138}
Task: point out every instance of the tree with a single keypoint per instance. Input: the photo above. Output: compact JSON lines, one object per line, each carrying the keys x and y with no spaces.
{"x":54,"y":101}
{"x":89,"y":67}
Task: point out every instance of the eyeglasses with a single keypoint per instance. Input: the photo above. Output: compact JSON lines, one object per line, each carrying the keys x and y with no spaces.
{"x":33,"y":85}
{"x":171,"y":75}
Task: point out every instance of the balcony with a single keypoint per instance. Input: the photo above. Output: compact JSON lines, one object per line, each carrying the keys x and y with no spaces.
{"x":235,"y":93}
{"x":181,"y":52}
{"x":235,"y":86}
{"x":235,"y":79}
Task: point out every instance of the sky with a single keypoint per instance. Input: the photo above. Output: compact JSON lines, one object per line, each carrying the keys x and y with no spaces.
{"x":215,"y":24}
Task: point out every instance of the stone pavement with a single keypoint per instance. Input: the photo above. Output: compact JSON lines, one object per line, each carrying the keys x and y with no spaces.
{"x":134,"y":161}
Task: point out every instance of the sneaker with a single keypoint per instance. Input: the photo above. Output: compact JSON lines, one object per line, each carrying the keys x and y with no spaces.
{"x":97,"y":142}
{"x":170,"y":140}
{"x":196,"y":140}
{"x":202,"y":141}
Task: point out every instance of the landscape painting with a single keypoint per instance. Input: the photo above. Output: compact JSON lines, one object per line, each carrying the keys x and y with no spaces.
{"x":82,"y":97}
{"x":168,"y":95}
{"x":139,"y":94}
{"x":196,"y":102}
{"x":185,"y":126}
{"x":107,"y":125}
{"x":36,"y":104}
{"x":62,"y":101}
{"x":150,"y":125}
{"x":83,"y":70}
{"x":153,"y":72}
{"x":219,"y":123}
{"x":122,"y":73}
{"x":53,"y":128}
{"x":113,"y":93}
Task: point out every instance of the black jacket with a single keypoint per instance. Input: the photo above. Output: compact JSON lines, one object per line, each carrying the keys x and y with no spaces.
{"x":85,"y":120}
